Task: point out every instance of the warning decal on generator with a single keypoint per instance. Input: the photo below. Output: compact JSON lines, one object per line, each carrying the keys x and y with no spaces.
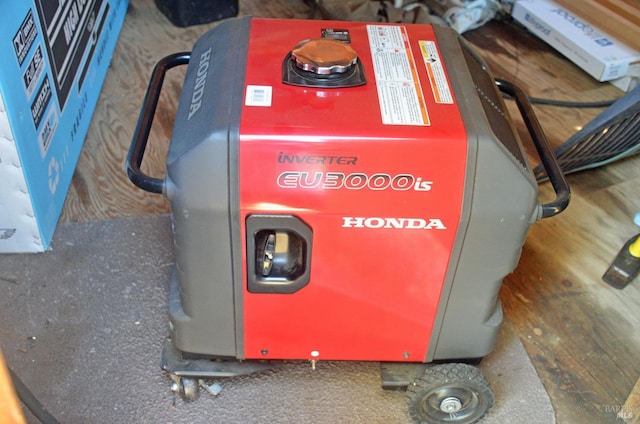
{"x":435,"y":70}
{"x":399,"y":90}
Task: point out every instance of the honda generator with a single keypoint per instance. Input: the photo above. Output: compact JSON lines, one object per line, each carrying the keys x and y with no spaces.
{"x":343,"y":191}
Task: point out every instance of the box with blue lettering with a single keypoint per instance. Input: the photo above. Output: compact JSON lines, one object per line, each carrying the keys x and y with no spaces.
{"x":54,"y":55}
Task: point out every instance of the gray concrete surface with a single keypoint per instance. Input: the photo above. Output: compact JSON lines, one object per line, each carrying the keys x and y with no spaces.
{"x":83,"y":325}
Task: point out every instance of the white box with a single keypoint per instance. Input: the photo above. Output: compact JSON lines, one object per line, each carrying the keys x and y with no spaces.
{"x":599,"y":54}
{"x":630,"y":81}
{"x":54,"y":56}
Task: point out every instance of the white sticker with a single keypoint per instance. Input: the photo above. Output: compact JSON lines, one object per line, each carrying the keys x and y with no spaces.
{"x":258,"y":95}
{"x":399,"y":91}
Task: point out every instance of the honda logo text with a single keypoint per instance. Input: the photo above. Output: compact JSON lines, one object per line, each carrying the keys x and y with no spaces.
{"x":199,"y":84}
{"x":395,"y":223}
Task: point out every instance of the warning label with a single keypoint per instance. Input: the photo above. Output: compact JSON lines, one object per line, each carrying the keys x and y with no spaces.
{"x":399,"y":91}
{"x":435,"y":70}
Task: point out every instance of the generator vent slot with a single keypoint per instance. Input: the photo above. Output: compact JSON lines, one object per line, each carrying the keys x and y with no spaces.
{"x":492,"y":105}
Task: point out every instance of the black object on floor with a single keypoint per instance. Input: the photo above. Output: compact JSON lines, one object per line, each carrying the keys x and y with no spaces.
{"x":625,"y":266}
{"x":184,"y":13}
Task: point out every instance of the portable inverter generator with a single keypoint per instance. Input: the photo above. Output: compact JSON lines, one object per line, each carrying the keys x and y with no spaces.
{"x":343,"y":191}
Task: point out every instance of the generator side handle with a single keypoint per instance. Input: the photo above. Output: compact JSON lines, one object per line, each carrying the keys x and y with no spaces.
{"x":549,"y":162}
{"x":145,"y":120}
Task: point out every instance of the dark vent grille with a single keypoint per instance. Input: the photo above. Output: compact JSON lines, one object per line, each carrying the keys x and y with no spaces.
{"x":492,"y":105}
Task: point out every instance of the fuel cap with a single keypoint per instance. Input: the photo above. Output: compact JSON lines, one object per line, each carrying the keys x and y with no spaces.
{"x":324,"y":56}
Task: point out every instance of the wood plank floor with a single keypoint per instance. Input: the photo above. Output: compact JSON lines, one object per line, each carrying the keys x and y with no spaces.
{"x":583,"y":336}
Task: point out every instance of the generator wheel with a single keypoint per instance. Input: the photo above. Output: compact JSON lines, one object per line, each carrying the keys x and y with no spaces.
{"x":449,"y":393}
{"x":187,"y":388}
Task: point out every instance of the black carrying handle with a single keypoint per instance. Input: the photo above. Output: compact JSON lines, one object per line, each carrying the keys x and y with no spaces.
{"x":143,"y":127}
{"x":549,"y":162}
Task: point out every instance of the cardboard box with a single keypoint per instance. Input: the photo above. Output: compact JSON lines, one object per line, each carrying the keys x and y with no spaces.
{"x":600,"y":55}
{"x":54,"y":55}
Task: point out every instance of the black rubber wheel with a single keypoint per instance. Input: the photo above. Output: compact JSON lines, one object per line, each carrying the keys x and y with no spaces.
{"x":449,"y":393}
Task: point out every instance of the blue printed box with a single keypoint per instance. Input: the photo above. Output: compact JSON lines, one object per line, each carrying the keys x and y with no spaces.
{"x":54,"y":56}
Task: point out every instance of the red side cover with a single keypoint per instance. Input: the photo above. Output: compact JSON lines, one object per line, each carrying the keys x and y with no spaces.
{"x":377,"y":171}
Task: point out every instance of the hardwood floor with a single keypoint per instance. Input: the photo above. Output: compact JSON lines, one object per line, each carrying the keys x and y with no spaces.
{"x":582,"y":335}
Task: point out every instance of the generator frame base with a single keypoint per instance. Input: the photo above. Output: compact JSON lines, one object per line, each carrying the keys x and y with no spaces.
{"x":458,"y":392}
{"x":176,"y":364}
{"x":393,"y":375}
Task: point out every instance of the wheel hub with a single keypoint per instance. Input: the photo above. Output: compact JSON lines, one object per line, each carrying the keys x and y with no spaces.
{"x":450,"y":405}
